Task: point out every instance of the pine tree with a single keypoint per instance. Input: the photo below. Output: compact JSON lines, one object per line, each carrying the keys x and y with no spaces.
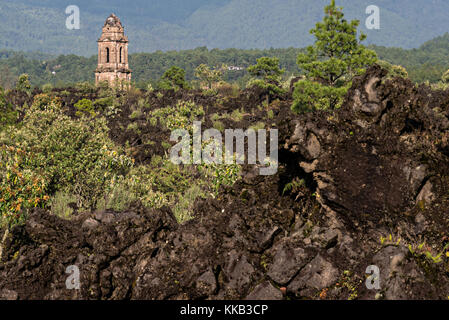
{"x":268,"y":75}
{"x":174,"y":78}
{"x":331,"y":63}
{"x":208,"y":75}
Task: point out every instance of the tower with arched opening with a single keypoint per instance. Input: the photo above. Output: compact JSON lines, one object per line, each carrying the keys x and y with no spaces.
{"x":113,"y":64}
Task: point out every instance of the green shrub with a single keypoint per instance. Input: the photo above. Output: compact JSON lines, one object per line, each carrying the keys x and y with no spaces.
{"x":119,"y":197}
{"x":166,"y":145}
{"x":87,"y":88}
{"x":103,"y":103}
{"x":220,"y":174}
{"x":46,"y":102}
{"x":8,"y":115}
{"x":269,"y":87}
{"x":180,"y":116}
{"x":162,"y":183}
{"x":174,"y":78}
{"x":215,"y":117}
{"x":133,"y":126}
{"x":60,"y":205}
{"x":77,"y":156}
{"x":183,"y":209}
{"x":445,"y":77}
{"x":210,"y":92}
{"x":150,"y":87}
{"x":309,"y":96}
{"x":393,"y":70}
{"x":135,"y":114}
{"x":46,"y":88}
{"x":258,"y":126}
{"x":399,"y":71}
{"x":237,"y":115}
{"x":219,"y":126}
{"x":23,"y":83}
{"x":22,"y":185}
{"x":228,"y":90}
{"x":85,"y":107}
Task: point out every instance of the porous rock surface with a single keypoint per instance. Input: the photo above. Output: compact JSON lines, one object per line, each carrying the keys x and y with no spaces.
{"x":376,"y":193}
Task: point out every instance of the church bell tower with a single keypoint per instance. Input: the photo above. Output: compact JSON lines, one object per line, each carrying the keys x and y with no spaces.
{"x":113,"y":64}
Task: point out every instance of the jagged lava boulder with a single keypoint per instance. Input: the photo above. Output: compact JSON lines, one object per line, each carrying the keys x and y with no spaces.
{"x":375,"y":193}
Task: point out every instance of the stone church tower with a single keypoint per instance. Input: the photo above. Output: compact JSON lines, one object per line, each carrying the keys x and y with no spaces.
{"x":113,"y":53}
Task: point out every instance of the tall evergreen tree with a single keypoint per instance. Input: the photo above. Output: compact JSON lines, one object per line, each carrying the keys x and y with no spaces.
{"x":330,"y":65}
{"x":268,"y":75}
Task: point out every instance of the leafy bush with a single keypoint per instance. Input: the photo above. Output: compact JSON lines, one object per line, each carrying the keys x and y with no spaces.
{"x":133,"y":126}
{"x":174,"y":78}
{"x":22,"y":185}
{"x":85,"y":107}
{"x":209,"y":76}
{"x":60,"y":205}
{"x":237,"y":115}
{"x":23,"y":83}
{"x":180,"y":116}
{"x":77,"y":156}
{"x":183,"y":209}
{"x":86,"y":88}
{"x":47,"y":88}
{"x":266,"y":86}
{"x":8,"y":115}
{"x":119,"y":196}
{"x":399,"y":71}
{"x":103,"y":103}
{"x":106,"y":106}
{"x":393,"y":70}
{"x":258,"y":126}
{"x":46,"y":102}
{"x":162,"y":183}
{"x":219,"y":126}
{"x":311,"y":95}
{"x":445,"y":77}
{"x":135,"y":114}
{"x":210,"y":92}
{"x":220,"y":174}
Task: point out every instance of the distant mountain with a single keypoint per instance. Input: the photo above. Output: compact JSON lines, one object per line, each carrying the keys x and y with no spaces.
{"x":39,"y":25}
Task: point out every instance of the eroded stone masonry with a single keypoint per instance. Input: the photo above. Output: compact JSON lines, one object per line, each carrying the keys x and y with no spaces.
{"x":113,"y":64}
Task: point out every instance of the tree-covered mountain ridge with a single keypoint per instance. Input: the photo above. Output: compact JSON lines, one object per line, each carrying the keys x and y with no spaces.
{"x":428,"y":62}
{"x":31,"y":25}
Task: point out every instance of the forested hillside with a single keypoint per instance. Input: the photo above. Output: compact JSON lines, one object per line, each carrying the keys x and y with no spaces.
{"x":31,"y":25}
{"x":427,"y":63}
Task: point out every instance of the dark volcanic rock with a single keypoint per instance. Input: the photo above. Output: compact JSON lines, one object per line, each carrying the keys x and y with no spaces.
{"x":375,"y":193}
{"x":289,"y":257}
{"x":265,"y":291}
